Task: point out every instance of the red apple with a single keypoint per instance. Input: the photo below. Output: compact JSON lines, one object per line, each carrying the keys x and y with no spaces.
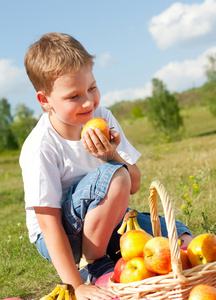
{"x":157,"y":255}
{"x":135,"y":270}
{"x":100,"y":123}
{"x":184,"y":260}
{"x":118,"y":269}
{"x":203,"y":292}
{"x":202,"y":249}
{"x":132,"y":243}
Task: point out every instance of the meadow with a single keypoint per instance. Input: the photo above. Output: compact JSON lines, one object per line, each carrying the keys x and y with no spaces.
{"x":187,"y":169}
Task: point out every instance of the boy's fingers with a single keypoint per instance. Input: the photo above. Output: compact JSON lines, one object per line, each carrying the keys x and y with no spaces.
{"x":94,"y":292}
{"x":116,"y":137}
{"x":103,"y":293}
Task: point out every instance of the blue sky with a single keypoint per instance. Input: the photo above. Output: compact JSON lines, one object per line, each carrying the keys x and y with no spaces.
{"x":133,"y":40}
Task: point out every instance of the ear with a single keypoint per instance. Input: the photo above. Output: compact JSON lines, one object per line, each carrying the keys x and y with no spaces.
{"x":43,"y":99}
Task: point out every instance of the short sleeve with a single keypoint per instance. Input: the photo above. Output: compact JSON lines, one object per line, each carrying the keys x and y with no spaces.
{"x":42,"y":182}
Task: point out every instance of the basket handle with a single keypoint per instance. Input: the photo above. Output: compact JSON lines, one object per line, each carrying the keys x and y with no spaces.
{"x":157,"y":187}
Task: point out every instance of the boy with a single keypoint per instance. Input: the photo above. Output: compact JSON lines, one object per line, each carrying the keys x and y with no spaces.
{"x":76,"y":190}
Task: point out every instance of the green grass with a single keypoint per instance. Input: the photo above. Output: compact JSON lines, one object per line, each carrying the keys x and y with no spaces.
{"x":25,"y":274}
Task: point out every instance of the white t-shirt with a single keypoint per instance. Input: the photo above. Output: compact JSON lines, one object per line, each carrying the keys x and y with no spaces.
{"x":51,"y":164}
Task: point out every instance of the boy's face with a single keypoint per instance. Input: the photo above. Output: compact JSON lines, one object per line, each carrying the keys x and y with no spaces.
{"x":73,"y":100}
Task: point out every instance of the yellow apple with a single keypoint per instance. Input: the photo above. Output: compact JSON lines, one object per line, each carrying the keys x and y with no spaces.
{"x":135,"y":270}
{"x":157,"y":255}
{"x":132,"y":243}
{"x":184,"y":260}
{"x":100,"y":123}
{"x":202,"y":249}
{"x":203,"y":292}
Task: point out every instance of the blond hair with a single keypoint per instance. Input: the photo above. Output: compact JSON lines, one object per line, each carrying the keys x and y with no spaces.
{"x":53,"y":55}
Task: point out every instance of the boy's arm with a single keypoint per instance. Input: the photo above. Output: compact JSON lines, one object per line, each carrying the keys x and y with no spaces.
{"x":61,"y":254}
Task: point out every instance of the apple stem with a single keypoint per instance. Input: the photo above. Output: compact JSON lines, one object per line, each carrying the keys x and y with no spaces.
{"x":118,"y":251}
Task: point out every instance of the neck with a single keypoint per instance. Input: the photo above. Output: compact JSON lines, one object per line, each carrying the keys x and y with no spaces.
{"x":68,"y":132}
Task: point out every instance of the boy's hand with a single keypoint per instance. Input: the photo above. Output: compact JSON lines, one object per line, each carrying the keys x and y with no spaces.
{"x":98,"y":145}
{"x":93,"y":292}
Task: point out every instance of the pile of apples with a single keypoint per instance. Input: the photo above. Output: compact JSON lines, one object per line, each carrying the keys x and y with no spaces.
{"x":144,"y":256}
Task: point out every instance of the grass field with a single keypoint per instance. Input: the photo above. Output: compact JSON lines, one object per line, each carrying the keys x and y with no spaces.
{"x":186,"y":168}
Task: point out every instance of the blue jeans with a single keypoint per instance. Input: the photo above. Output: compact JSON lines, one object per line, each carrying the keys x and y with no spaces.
{"x":86,"y":195}
{"x":82,"y":197}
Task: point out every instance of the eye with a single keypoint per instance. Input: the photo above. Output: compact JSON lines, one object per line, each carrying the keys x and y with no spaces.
{"x":73,"y":97}
{"x":92,"y":88}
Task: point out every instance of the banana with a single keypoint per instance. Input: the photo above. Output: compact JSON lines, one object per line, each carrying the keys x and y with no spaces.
{"x":136,"y":224}
{"x":44,"y":297}
{"x":55,"y":291}
{"x":129,"y":224}
{"x":73,"y":297}
{"x":47,"y":297}
{"x":63,"y":286}
{"x":121,"y":230}
{"x":61,"y":294}
{"x":67,"y":295}
{"x":126,"y":223}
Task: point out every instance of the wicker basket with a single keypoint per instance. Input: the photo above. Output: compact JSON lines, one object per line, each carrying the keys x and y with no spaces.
{"x":177,"y":284}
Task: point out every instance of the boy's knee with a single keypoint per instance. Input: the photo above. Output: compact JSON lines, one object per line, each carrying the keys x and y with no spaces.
{"x":123,"y":171}
{"x":122,"y":177}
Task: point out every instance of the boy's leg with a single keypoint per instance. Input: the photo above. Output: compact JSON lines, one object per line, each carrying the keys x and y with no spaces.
{"x":102,"y":196}
{"x":102,"y":220}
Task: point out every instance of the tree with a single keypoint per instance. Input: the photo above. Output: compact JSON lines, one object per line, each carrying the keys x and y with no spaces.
{"x":23,"y":123}
{"x":211,"y":68}
{"x":6,"y":136}
{"x":136,"y":112}
{"x":211,"y":76}
{"x":163,"y":109}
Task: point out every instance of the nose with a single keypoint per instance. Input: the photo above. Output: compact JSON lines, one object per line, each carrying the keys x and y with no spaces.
{"x":87,"y":102}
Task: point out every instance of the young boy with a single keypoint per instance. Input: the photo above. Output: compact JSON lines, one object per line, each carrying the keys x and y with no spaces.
{"x":76,"y":190}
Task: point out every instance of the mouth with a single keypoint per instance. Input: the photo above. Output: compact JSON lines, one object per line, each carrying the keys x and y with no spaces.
{"x":87,"y":113}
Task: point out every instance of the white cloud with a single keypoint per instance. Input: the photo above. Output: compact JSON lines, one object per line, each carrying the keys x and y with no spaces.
{"x":177,"y":76}
{"x":128,"y":95}
{"x":16,"y":87}
{"x":181,"y":22}
{"x":13,"y":80}
{"x":105,"y":59}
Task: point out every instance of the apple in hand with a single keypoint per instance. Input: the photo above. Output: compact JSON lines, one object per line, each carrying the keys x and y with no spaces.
{"x":157,"y":255}
{"x":202,"y":249}
{"x":132,"y":243}
{"x":135,"y":270}
{"x":202,"y":292}
{"x":118,"y":269}
{"x":100,"y":123}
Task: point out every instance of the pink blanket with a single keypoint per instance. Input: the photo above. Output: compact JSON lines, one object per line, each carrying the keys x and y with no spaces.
{"x":102,"y":281}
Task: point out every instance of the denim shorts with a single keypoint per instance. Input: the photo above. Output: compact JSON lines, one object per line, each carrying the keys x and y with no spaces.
{"x":82,"y":197}
{"x":86,"y":195}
